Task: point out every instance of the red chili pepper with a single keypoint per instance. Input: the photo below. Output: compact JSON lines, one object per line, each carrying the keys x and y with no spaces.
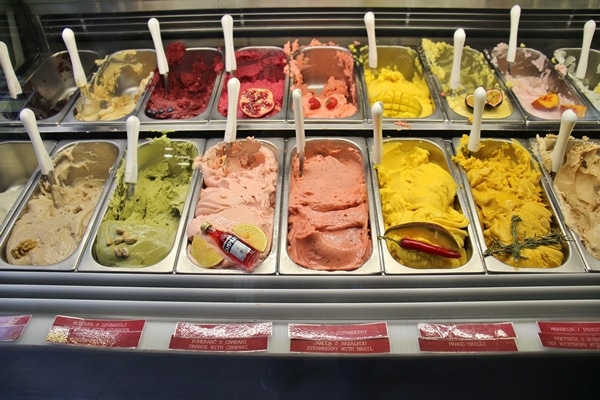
{"x":412,"y":244}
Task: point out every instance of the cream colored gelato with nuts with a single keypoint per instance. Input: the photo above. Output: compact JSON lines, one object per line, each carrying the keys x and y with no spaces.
{"x":577,"y":185}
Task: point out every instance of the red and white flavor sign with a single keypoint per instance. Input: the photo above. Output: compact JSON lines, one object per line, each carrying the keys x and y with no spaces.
{"x":12,"y":327}
{"x":231,"y":337}
{"x":570,"y":335}
{"x":369,"y":338}
{"x":96,"y":332}
{"x":467,"y":337}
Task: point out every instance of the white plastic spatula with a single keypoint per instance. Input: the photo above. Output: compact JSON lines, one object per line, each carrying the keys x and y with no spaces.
{"x":475,"y":134}
{"x":299,"y":124}
{"x":370,"y":25}
{"x":515,"y":16}
{"x":78,"y":72}
{"x":588,"y":34}
{"x":46,"y":166}
{"x":14,"y":87}
{"x":161,"y":58}
{"x":377,"y":114}
{"x":233,"y":95}
{"x":567,"y":122}
{"x":227,"y":25}
{"x":131,"y":161}
{"x":85,"y":104}
{"x":459,"y":42}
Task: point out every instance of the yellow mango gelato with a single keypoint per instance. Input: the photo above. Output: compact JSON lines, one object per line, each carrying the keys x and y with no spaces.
{"x":414,"y":188}
{"x":505,"y":184}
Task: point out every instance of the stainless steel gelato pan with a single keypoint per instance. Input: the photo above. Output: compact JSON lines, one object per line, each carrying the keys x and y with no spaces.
{"x":140,"y":233}
{"x":475,"y":71}
{"x":193,"y":77}
{"x":401,"y":84}
{"x":263,"y":86}
{"x":115,"y":90}
{"x":328,"y":218}
{"x":50,"y":226}
{"x":419,"y":202}
{"x":517,"y":225}
{"x":330,"y":84}
{"x":17,"y":166}
{"x":240,"y":194}
{"x":542,"y":92}
{"x":589,"y":85}
{"x":50,"y":88}
{"x":574,"y":191}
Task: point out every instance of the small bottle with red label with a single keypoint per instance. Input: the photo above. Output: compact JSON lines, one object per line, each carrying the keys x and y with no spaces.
{"x":236,"y":249}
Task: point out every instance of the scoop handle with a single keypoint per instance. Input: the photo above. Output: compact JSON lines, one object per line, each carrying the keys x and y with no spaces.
{"x":370,"y":25}
{"x":131,"y":163}
{"x":515,"y":15}
{"x":475,"y":134}
{"x":78,"y":72}
{"x":459,"y":42}
{"x":567,"y":122}
{"x":588,"y":34}
{"x":28,"y":119}
{"x":14,"y":87}
{"x":233,"y":95}
{"x":299,"y":120}
{"x":161,"y":58}
{"x":227,"y":25}
{"x":377,"y":114}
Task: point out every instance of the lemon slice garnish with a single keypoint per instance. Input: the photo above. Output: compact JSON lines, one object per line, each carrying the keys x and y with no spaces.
{"x":204,"y":253}
{"x":252,"y":235}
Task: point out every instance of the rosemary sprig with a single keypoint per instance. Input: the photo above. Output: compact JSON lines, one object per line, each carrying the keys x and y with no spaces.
{"x":515,"y":248}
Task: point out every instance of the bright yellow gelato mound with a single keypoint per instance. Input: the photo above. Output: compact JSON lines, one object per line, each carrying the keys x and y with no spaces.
{"x":401,"y":98}
{"x":506,"y":184}
{"x":415,"y":189}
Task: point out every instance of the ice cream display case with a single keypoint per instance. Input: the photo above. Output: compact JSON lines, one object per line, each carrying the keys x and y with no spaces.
{"x":348,"y":233}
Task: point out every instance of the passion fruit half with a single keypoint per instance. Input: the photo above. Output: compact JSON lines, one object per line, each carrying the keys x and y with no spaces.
{"x":470,"y":100}
{"x":493,"y":98}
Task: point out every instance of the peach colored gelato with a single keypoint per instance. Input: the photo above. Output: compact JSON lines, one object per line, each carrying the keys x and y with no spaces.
{"x":328,"y":221}
{"x":240,"y":191}
{"x":337,"y":98}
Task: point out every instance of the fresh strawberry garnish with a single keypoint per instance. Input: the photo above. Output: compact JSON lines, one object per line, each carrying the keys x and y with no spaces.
{"x":331,"y":103}
{"x":314,"y":103}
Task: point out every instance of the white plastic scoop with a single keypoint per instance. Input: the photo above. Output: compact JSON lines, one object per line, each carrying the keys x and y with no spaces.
{"x":370,"y":25}
{"x":131,"y":162}
{"x":299,"y":124}
{"x":567,"y":122}
{"x":78,"y":72}
{"x":233,"y":95}
{"x":161,"y":58}
{"x":377,"y":114}
{"x":459,"y":42}
{"x":227,"y":25}
{"x":588,"y":34}
{"x":46,"y":166}
{"x":14,"y":87}
{"x":475,"y":134}
{"x":85,"y":104}
{"x":515,"y":15}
